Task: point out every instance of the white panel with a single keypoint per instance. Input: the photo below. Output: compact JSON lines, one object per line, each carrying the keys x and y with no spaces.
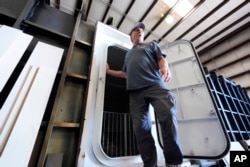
{"x":45,"y":55}
{"x":184,"y":78}
{"x":201,"y":132}
{"x":10,"y":35}
{"x":13,"y":104}
{"x":190,"y":110}
{"x":201,"y":136}
{"x":11,"y":51}
{"x":26,"y":104}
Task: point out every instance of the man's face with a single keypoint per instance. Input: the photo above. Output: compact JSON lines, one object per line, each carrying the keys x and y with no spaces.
{"x":137,"y":36}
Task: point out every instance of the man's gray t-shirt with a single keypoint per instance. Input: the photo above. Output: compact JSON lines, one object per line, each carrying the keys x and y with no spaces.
{"x":141,"y":66}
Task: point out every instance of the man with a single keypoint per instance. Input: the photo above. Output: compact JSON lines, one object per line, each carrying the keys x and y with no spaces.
{"x":146,"y":71}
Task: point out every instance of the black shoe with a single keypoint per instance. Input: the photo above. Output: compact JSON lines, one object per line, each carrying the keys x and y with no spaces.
{"x":171,"y":165}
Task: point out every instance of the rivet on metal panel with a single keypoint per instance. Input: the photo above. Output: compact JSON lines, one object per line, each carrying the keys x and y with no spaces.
{"x":101,"y":79}
{"x":192,"y":90}
{"x":212,"y":111}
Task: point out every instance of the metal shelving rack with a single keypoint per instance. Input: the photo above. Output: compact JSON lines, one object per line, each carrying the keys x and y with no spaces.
{"x":233,"y":104}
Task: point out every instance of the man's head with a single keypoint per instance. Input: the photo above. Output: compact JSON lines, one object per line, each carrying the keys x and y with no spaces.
{"x":138,"y":25}
{"x":137,"y":34}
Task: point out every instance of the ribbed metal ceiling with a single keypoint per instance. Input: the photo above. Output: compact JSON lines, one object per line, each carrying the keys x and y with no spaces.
{"x":218,"y":29}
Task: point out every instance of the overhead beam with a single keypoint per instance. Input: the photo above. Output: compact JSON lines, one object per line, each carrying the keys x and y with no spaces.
{"x":181,"y":20}
{"x":203,"y":18}
{"x":161,"y":19}
{"x":220,"y":20}
{"x":223,"y":30}
{"x":107,"y":10}
{"x":126,"y":12}
{"x":242,"y":28}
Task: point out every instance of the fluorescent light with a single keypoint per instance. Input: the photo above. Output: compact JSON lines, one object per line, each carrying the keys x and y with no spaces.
{"x":169,"y":19}
{"x":183,"y":7}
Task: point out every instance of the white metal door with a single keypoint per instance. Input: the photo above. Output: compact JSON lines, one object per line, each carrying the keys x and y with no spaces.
{"x":201,"y":129}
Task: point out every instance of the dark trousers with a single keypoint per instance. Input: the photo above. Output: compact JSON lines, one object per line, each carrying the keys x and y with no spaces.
{"x":163,"y":103}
